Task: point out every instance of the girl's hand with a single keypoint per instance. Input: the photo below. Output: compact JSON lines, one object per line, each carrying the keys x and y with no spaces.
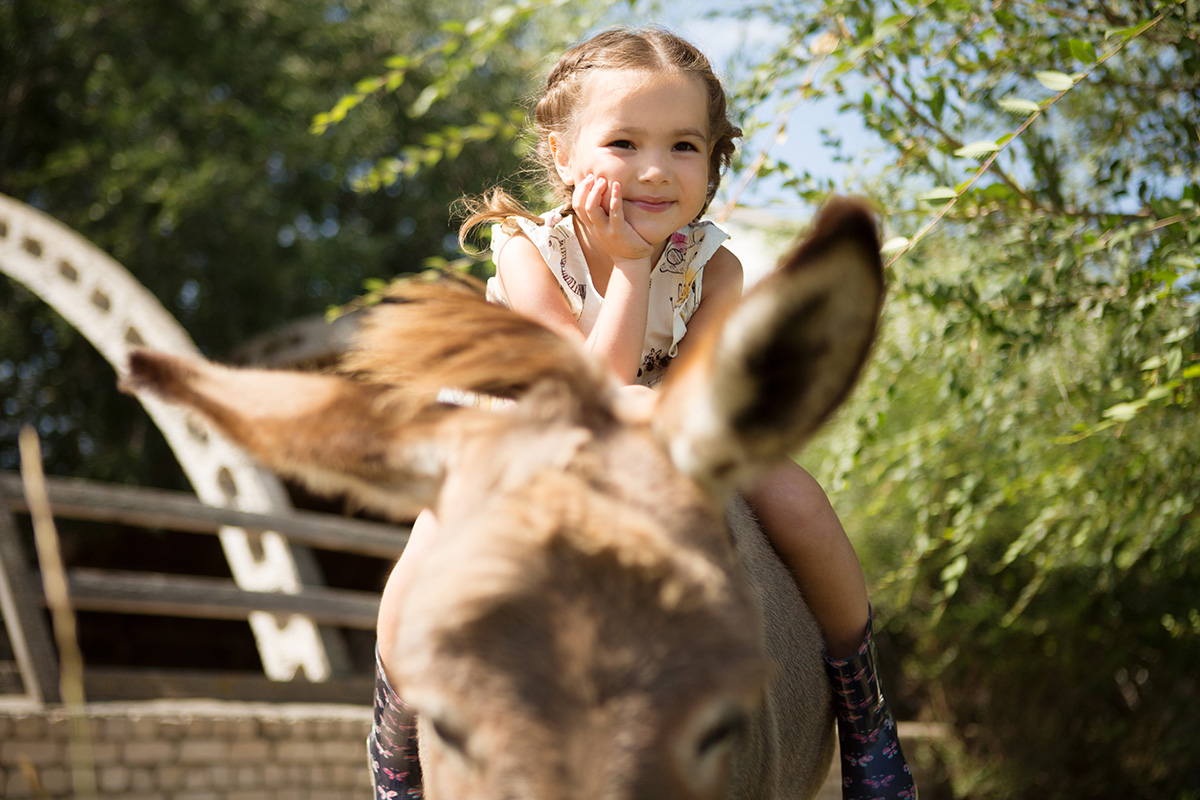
{"x":598,"y":204}
{"x":636,"y":403}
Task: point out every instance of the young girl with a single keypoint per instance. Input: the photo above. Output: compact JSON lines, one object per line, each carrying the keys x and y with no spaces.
{"x":633,"y":132}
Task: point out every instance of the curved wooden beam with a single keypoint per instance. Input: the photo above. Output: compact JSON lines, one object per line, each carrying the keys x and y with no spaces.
{"x":104,"y":302}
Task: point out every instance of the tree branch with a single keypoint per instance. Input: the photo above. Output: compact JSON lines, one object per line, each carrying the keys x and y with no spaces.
{"x":1017,"y":134}
{"x":947,"y":136}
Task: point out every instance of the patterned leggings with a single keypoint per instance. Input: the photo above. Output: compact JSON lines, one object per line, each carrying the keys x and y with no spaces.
{"x":392,"y":744}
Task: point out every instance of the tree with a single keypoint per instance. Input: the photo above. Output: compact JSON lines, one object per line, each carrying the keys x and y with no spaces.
{"x":1022,"y":460}
{"x":177,"y":138}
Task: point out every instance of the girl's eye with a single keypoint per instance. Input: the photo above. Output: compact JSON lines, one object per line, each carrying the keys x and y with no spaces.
{"x":687,"y":147}
{"x":623,"y":144}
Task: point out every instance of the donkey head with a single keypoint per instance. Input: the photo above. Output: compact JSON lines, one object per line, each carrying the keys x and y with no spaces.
{"x":584,"y":628}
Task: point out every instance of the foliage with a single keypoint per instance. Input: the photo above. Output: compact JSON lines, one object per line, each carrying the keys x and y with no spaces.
{"x":177,"y":138}
{"x":1022,"y":460}
{"x":459,"y":50}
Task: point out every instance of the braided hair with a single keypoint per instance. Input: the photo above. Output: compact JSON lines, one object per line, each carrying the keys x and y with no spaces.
{"x":651,"y":49}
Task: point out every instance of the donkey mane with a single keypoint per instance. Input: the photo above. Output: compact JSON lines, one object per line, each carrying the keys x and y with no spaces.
{"x":428,"y":336}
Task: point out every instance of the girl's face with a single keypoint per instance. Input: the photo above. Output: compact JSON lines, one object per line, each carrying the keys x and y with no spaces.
{"x":648,"y":131}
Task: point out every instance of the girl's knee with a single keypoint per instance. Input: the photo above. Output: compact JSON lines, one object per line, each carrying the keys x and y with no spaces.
{"x":788,"y":494}
{"x":424,"y":535}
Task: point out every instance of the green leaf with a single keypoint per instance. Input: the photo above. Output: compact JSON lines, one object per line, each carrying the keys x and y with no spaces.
{"x":938,"y":102}
{"x":894,"y":245}
{"x":842,"y":68}
{"x":1130,"y":32}
{"x":938,"y":193}
{"x":1177,"y":335}
{"x":1083,"y":51}
{"x":977,"y":149}
{"x":1174,"y":361}
{"x":1123,"y":412}
{"x":503,"y":14}
{"x":368,"y":85}
{"x":474,"y":26}
{"x":1159,"y":392}
{"x":1019,"y":106}
{"x":425,"y":100}
{"x":1055,"y":81}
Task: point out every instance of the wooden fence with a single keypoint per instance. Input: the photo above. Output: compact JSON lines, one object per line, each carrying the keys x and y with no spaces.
{"x":133,"y":592}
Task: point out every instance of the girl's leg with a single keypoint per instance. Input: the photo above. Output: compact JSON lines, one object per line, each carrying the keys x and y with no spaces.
{"x":801,"y":524}
{"x":873,"y":765}
{"x":392,"y":744}
{"x":424,"y":534}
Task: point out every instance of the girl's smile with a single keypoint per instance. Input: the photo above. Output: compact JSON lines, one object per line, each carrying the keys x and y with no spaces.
{"x":652,"y":204}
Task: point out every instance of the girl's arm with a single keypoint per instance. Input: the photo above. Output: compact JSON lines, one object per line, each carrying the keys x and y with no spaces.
{"x":531,"y":289}
{"x":620,"y":328}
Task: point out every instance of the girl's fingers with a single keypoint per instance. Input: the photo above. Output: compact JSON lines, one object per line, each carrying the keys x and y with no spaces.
{"x":598,"y":203}
{"x":614,"y":204}
{"x":580,"y":195}
{"x":595,"y":201}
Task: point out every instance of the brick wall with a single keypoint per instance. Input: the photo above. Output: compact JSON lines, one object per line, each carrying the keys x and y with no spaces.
{"x":192,"y":750}
{"x":208,"y":750}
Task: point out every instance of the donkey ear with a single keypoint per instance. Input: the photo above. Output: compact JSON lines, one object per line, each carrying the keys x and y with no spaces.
{"x":785,"y":358}
{"x":334,"y":435}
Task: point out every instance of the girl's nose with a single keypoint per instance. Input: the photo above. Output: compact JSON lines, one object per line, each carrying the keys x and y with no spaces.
{"x":655,"y":169}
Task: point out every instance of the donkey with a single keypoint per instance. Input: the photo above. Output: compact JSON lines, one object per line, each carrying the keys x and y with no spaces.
{"x":602,"y":618}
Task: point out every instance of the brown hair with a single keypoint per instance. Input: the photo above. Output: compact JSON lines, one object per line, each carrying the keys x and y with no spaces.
{"x":617,"y":48}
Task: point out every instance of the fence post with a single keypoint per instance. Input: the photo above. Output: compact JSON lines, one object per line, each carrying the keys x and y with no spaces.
{"x":21,"y":606}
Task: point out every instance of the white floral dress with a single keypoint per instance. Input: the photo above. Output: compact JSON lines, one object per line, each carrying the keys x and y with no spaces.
{"x":675,"y":283}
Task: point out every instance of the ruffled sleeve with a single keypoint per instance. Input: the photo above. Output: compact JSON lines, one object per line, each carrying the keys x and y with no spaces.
{"x":556,"y":242}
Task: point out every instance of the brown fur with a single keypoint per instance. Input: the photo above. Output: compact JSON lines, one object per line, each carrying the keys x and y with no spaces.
{"x":446,"y":336}
{"x":590,"y":626}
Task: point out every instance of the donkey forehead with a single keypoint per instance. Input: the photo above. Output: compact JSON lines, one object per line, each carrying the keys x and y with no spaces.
{"x":556,"y":656}
{"x":564,"y":584}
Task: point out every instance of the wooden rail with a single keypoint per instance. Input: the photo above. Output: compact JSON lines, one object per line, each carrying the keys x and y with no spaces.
{"x":213,"y":598}
{"x":185,"y":596}
{"x":157,"y":508}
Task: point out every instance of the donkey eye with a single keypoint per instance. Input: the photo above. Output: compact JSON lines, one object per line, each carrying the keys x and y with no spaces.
{"x":723,"y":733}
{"x":453,"y":737}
